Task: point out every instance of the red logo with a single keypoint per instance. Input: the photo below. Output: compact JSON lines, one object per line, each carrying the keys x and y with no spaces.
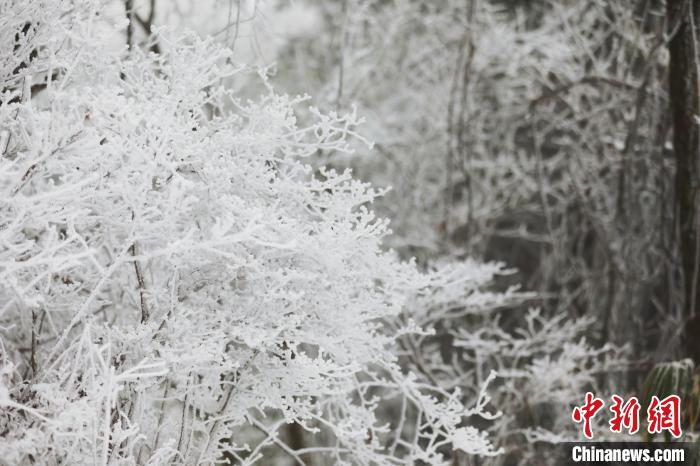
{"x":665,"y":415}
{"x":625,"y":415}
{"x":586,"y":412}
{"x":662,"y":415}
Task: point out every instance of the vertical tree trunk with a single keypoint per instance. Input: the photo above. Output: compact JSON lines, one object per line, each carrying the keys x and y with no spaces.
{"x":683,"y":88}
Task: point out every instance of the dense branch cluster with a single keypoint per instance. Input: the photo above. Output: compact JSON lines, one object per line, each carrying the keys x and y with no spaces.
{"x":176,"y":284}
{"x":192,"y":272}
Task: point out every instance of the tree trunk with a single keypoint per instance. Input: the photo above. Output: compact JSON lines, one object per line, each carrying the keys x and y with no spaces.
{"x":683,"y":89}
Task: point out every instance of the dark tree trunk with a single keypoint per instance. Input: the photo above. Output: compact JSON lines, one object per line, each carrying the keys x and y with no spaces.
{"x":683,"y":19}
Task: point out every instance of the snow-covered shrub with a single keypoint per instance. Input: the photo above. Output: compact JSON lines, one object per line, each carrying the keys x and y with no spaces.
{"x":536,"y":366}
{"x":506,"y":131}
{"x":177,"y":285}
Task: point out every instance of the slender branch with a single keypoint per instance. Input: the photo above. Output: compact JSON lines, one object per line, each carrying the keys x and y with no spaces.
{"x":145,"y":314}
